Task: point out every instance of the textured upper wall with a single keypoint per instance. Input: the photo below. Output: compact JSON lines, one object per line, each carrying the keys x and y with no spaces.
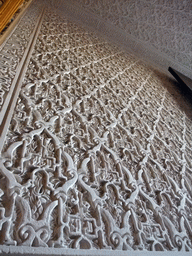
{"x":163,"y":25}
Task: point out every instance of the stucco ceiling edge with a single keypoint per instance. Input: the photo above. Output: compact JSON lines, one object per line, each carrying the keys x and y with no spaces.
{"x":144,"y":51}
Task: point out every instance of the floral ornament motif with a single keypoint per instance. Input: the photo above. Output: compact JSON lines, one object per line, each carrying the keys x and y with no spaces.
{"x":97,"y":155}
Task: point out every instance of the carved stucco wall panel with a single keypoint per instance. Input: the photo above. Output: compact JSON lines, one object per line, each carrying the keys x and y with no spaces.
{"x":162,"y":29}
{"x":98,"y":151}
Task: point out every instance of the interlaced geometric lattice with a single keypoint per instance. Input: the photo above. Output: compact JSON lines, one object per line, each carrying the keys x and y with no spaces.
{"x":98,"y":152}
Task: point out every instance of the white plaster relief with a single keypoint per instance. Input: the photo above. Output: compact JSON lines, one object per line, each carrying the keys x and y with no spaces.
{"x":166,"y":26}
{"x":98,"y":152}
{"x":161,"y":29}
{"x":11,"y":53}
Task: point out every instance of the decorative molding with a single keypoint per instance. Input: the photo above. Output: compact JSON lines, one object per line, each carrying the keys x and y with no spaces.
{"x":30,"y":251}
{"x":14,"y":65}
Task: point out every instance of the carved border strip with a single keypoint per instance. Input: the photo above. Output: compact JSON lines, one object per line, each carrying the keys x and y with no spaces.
{"x":13,"y":49}
{"x":25,"y":250}
{"x":11,"y":98}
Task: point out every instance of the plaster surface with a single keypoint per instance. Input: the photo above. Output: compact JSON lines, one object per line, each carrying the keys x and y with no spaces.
{"x":158,"y":31}
{"x":96,"y":147}
{"x":30,"y":251}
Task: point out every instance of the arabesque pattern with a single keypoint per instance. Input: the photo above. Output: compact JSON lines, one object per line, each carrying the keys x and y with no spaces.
{"x":164,"y":25}
{"x":98,"y":152}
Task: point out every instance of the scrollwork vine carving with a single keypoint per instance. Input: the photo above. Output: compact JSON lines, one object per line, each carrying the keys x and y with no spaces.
{"x":97,"y":155}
